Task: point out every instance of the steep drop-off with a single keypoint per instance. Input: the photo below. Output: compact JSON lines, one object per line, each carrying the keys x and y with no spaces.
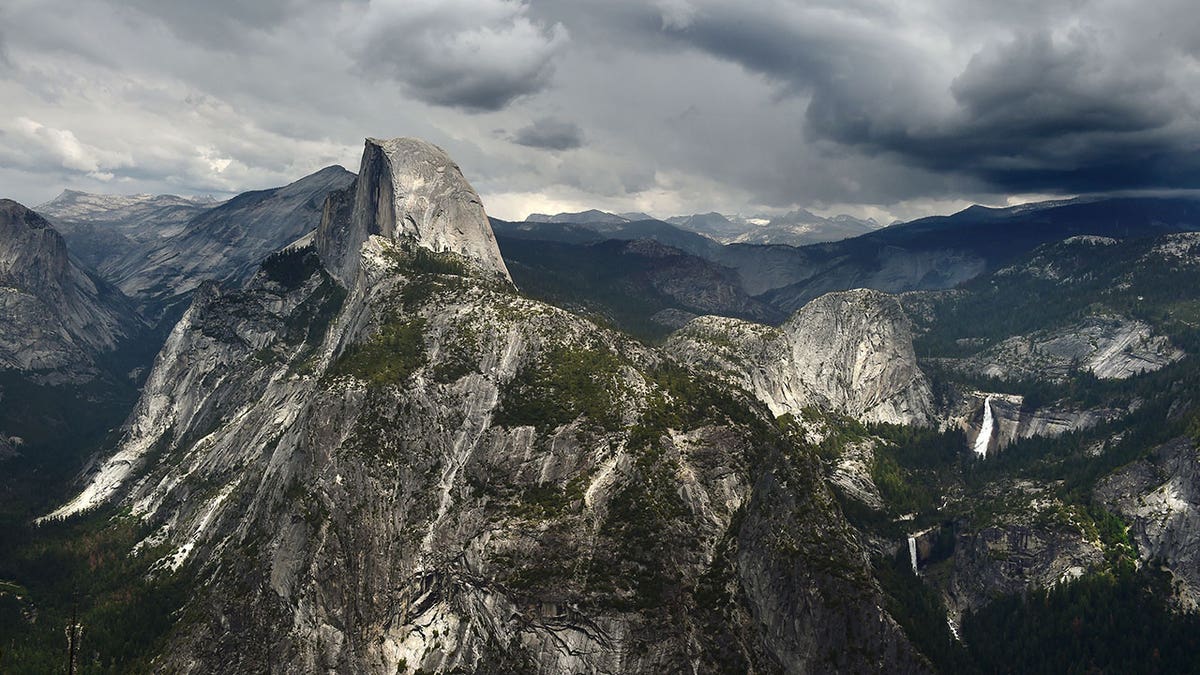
{"x":376,"y":457}
{"x":849,"y":352}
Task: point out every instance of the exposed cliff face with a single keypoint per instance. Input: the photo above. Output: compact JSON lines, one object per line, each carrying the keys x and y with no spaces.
{"x":1013,"y":421}
{"x":422,"y":470}
{"x":57,"y":316}
{"x":849,"y":352}
{"x":1014,"y":557}
{"x":1009,"y":537}
{"x":1159,"y":496}
{"x":852,"y":474}
{"x":1110,"y":347}
{"x":407,"y":189}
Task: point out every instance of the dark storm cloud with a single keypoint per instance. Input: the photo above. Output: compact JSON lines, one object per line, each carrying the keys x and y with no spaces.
{"x":479,"y":55}
{"x":550,"y":133}
{"x":890,"y":108}
{"x":1085,"y":109}
{"x":1040,"y":113}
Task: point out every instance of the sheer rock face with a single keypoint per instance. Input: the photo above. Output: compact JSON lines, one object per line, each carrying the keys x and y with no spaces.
{"x":407,"y":189}
{"x":1159,"y":496}
{"x":1016,"y":555}
{"x":1014,"y":420}
{"x":34,"y":255}
{"x":1110,"y":347}
{"x":347,"y":472}
{"x":850,"y":352}
{"x":56,"y":315}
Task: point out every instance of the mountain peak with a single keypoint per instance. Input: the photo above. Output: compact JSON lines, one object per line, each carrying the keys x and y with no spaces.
{"x":33,"y":255}
{"x":590,"y":216}
{"x":52,"y":307}
{"x":407,"y":189}
{"x":15,"y":212}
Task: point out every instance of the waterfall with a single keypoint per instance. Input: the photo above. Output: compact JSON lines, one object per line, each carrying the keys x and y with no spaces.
{"x":953,"y":629}
{"x":985,"y":431}
{"x":912,"y":553}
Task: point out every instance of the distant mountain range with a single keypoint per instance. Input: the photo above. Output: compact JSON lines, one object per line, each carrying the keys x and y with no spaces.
{"x":593,"y":442}
{"x":927,"y":254}
{"x":796,"y":228}
{"x":157,"y":250}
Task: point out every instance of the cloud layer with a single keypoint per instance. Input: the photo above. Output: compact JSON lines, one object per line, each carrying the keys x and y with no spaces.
{"x":874,"y":107}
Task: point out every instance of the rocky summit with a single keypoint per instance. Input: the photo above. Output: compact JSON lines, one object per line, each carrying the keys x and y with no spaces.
{"x":377,"y":457}
{"x":410,"y":190}
{"x":57,"y":315}
{"x":849,"y":352}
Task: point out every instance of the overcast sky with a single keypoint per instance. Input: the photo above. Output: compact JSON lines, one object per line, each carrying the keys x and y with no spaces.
{"x":884,"y":109}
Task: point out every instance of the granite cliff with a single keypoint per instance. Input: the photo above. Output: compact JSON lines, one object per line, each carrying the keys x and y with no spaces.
{"x":850,"y":352}
{"x":376,"y":457}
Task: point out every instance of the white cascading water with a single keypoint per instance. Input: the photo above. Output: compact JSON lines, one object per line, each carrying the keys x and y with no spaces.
{"x":985,"y":431}
{"x":912,"y":553}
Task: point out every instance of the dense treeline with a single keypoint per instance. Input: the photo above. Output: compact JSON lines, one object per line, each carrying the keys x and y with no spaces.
{"x":920,"y":612}
{"x":1103,"y":623}
{"x":82,"y":569}
{"x":1098,"y":624}
{"x":1118,"y":621}
{"x":1062,"y":283}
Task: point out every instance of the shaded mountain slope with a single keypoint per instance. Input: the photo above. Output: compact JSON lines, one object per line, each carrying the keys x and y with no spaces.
{"x":405,"y":465}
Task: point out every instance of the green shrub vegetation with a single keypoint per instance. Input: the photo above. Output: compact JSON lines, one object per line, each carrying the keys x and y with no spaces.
{"x":291,"y":267}
{"x":418,"y":261}
{"x":562,"y":384}
{"x":388,"y":358}
{"x":84,"y":568}
{"x":1090,"y":280}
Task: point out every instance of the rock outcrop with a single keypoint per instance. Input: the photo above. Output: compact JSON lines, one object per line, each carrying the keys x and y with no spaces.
{"x":1109,"y":347}
{"x":850,"y":352}
{"x":1013,"y":421}
{"x":1014,"y":557}
{"x":57,"y":316}
{"x":1159,"y":496}
{"x":410,"y":190}
{"x":376,"y":457}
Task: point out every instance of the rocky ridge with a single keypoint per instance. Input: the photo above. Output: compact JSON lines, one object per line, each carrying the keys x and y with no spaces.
{"x":225,"y":243}
{"x":375,"y":457}
{"x":850,"y":352}
{"x":101,"y":230}
{"x":58,"y":316}
{"x":1109,"y":347}
{"x":409,"y":189}
{"x":157,"y":249}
